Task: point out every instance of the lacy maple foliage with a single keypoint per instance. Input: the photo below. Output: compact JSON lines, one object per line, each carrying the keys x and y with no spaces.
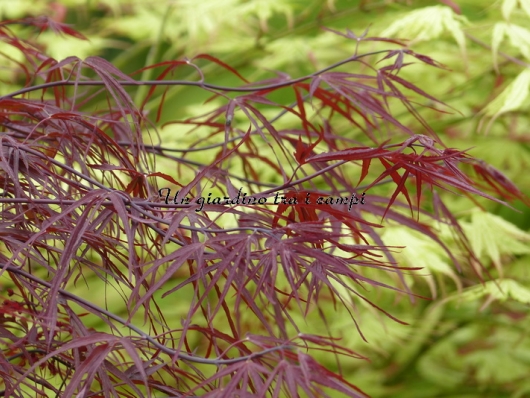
{"x":88,"y":195}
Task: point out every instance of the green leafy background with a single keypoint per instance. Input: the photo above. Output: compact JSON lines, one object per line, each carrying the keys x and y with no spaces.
{"x":470,"y":339}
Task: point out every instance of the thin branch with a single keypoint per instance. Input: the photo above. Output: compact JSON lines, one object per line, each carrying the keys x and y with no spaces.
{"x":175,"y":354}
{"x":203,"y":85}
{"x":503,"y":54}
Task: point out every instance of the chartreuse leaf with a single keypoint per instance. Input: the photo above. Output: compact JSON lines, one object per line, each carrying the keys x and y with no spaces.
{"x":492,"y":236}
{"x":511,"y":290}
{"x":511,"y":98}
{"x":195,"y":20}
{"x":290,"y":49}
{"x":525,"y":5}
{"x":499,"y":30}
{"x":499,"y":289}
{"x":423,"y":252}
{"x":504,"y":369}
{"x":509,"y":5}
{"x":265,"y":9}
{"x":519,"y":38}
{"x":429,"y":23}
{"x":507,"y":8}
{"x":493,"y":354}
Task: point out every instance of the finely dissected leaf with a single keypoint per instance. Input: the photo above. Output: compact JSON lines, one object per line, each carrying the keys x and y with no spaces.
{"x":59,"y":28}
{"x":221,"y":63}
{"x":349,"y":154}
{"x":511,"y":98}
{"x":303,"y":203}
{"x":422,"y":253}
{"x":81,"y":341}
{"x":407,"y":85}
{"x":519,"y":38}
{"x":179,"y":258}
{"x":513,"y":290}
{"x":399,"y":180}
{"x":493,"y":236}
{"x":499,"y":289}
{"x":264,"y":10}
{"x":362,"y":98}
{"x":429,"y":23}
{"x":92,"y":364}
{"x":170,"y":68}
{"x":81,"y":221}
{"x":350,"y":35}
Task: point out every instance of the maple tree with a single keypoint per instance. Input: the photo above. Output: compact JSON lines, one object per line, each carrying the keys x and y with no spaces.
{"x":92,"y":195}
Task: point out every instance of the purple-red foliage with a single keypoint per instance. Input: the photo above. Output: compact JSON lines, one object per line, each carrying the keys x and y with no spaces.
{"x":81,"y":198}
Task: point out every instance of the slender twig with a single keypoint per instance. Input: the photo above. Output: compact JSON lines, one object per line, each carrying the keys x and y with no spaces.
{"x":248,"y":89}
{"x":176,"y":355}
{"x":503,"y":54}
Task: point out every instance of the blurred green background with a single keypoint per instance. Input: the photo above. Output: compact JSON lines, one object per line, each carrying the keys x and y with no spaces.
{"x":471,"y":339}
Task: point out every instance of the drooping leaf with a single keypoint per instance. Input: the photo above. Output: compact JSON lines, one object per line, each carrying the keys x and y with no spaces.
{"x":429,"y":23}
{"x":494,"y":237}
{"x":519,"y":38}
{"x":511,"y":98}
